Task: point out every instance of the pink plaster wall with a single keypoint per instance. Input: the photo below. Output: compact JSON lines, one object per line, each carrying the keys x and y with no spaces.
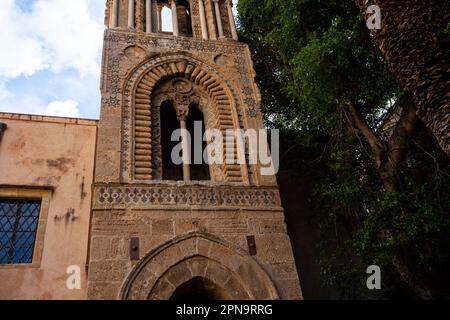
{"x":56,"y":152}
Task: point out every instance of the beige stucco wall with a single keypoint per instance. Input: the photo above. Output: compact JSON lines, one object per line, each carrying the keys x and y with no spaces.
{"x":57,"y":153}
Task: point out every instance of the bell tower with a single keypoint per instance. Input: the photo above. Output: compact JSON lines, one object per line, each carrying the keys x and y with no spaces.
{"x":160,"y":227}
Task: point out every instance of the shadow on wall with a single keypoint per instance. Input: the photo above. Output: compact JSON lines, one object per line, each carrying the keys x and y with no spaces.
{"x":304,"y":234}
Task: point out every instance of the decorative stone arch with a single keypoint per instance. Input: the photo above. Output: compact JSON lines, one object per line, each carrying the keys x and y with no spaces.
{"x":198,"y":255}
{"x":137,"y":118}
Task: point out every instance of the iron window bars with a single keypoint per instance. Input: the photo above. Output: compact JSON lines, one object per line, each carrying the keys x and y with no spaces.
{"x":18,"y":225}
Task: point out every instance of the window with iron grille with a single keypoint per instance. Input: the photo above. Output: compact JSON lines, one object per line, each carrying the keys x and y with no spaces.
{"x":18,"y":225}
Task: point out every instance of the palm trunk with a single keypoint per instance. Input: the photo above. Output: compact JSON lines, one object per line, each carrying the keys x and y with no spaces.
{"x":412,"y":38}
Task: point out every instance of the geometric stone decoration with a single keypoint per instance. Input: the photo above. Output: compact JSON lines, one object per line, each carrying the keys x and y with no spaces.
{"x":166,"y":232}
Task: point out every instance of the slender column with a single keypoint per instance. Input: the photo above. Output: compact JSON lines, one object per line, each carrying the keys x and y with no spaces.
{"x":232,"y":21}
{"x":139,"y":12}
{"x":212,"y":24}
{"x":130,"y":13}
{"x":176,"y":33}
{"x":218,"y":18}
{"x":201,"y":7}
{"x":148,"y":16}
{"x":185,"y":150}
{"x":114,"y":22}
{"x":158,"y":17}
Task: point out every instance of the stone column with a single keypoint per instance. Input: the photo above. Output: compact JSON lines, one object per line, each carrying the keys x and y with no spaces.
{"x":148,"y":16}
{"x":114,"y":22}
{"x":130,"y":13}
{"x":176,"y":32}
{"x":201,"y":7}
{"x":186,"y":151}
{"x":158,"y":17}
{"x":212,"y":24}
{"x":232,"y":21}
{"x":218,"y":18}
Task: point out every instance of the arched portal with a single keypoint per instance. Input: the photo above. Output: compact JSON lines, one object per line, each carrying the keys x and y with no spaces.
{"x":199,"y":263}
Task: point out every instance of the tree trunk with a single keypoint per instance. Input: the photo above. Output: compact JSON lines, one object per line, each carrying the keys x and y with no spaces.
{"x":413,"y":40}
{"x":419,"y":288}
{"x":388,"y":156}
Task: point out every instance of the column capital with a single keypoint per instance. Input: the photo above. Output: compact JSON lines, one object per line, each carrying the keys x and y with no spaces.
{"x":181,"y":104}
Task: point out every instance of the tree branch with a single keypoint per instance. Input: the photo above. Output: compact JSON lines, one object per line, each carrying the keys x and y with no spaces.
{"x":374,"y":141}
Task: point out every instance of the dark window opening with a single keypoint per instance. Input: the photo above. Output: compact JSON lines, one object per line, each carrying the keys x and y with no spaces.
{"x":200,"y":171}
{"x":184,"y":18}
{"x":169,"y":123}
{"x":18,"y":224}
{"x":199,"y":289}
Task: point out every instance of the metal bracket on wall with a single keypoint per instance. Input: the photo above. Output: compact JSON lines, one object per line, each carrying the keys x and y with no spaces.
{"x":251,"y":245}
{"x":134,"y":249}
{"x":3,"y":128}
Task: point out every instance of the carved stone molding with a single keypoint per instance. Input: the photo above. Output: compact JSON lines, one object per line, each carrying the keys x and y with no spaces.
{"x":146,"y":196}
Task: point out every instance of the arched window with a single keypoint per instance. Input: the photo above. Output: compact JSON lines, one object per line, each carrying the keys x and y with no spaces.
{"x":184,"y":18}
{"x":169,"y":123}
{"x":166,"y":19}
{"x":195,"y":124}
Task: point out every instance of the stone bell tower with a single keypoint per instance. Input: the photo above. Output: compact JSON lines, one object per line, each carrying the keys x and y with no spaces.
{"x":161,"y":230}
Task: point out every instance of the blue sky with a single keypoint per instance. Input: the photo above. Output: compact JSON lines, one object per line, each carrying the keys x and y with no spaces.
{"x":50,"y":57}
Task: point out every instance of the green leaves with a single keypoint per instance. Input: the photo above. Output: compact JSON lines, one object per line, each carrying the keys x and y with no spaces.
{"x":312,"y":59}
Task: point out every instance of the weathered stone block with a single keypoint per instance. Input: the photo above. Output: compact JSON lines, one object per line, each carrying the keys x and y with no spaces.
{"x":163,"y":227}
{"x":108,"y":270}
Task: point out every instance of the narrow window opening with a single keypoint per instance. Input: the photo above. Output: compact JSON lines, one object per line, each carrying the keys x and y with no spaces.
{"x":169,"y":123}
{"x":185,"y":18}
{"x":199,"y":171}
{"x":166,"y":19}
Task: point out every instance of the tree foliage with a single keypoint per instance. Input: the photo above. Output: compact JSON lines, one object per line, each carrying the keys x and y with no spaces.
{"x":381,"y":191}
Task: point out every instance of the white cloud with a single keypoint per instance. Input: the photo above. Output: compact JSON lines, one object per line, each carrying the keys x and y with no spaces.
{"x":51,"y":52}
{"x":67,"y":108}
{"x":22,"y":54}
{"x":52,"y":34}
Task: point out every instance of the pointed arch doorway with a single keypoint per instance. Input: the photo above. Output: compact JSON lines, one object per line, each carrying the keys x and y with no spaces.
{"x":199,"y":266}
